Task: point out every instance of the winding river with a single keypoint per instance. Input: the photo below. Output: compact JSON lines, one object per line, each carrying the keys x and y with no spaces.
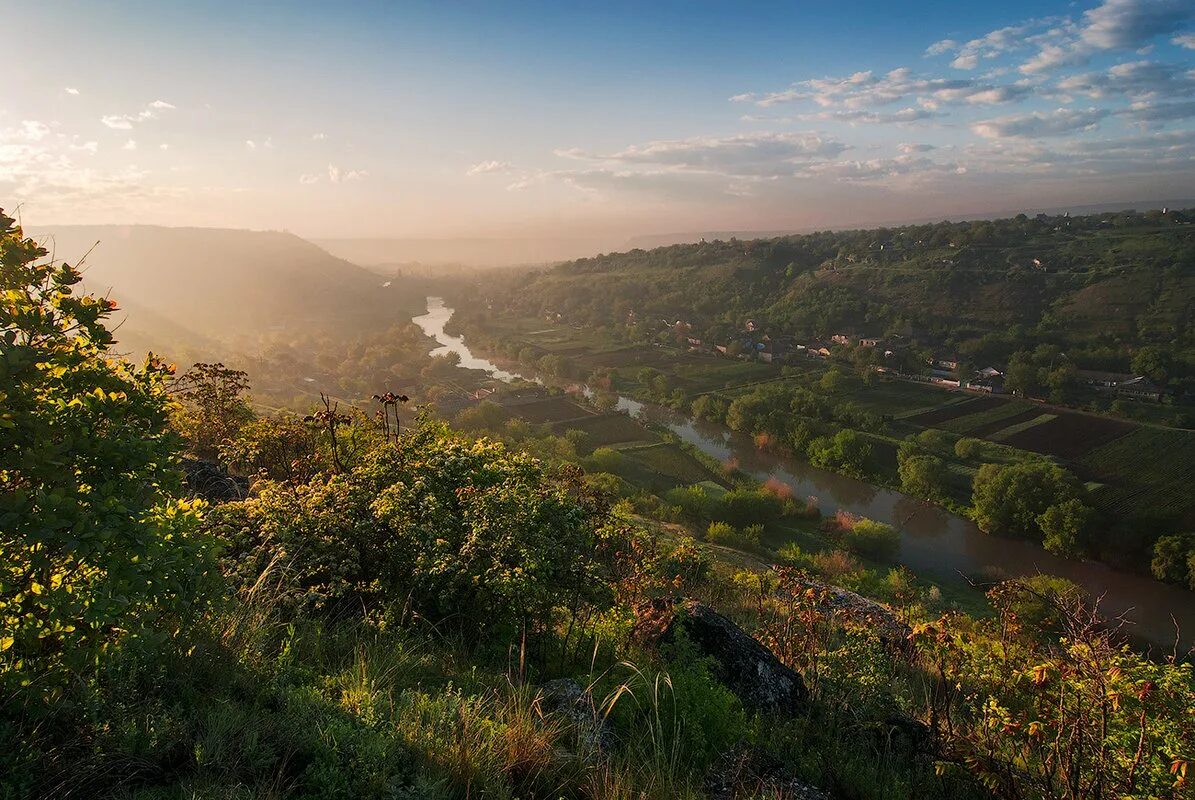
{"x":934,"y":542}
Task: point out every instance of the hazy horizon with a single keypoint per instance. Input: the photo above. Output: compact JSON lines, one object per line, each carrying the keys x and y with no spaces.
{"x":541,"y":123}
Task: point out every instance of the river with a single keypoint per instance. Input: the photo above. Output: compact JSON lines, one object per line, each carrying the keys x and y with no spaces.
{"x":934,"y":542}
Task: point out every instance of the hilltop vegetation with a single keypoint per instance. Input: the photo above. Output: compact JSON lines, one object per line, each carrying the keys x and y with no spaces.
{"x":428,"y":613}
{"x":1099,"y":288}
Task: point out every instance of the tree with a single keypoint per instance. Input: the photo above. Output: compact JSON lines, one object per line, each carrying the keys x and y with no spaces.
{"x":214,"y":407}
{"x":844,"y":452}
{"x":93,"y":550}
{"x":1154,"y":363}
{"x":1012,"y":498}
{"x":1170,"y":556}
{"x":1064,"y":527}
{"x":923,"y":476}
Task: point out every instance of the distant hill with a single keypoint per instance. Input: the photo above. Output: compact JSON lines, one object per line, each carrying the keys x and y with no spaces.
{"x":480,"y":252}
{"x":649,"y":241}
{"x":198,"y":286}
{"x":1099,"y":286}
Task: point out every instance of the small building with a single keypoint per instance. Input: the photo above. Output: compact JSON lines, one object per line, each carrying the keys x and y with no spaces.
{"x":841,"y":338}
{"x":869,"y":341}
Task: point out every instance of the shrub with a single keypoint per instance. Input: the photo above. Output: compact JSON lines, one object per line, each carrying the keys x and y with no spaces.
{"x":722,"y":533}
{"x":458,"y":529}
{"x":872,"y":539}
{"x":968,"y":447}
{"x":93,"y":550}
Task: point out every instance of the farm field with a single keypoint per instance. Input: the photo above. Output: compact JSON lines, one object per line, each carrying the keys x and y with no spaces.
{"x":982,"y":423}
{"x":988,"y":428}
{"x":935,"y":417}
{"x":608,"y":429}
{"x":1069,"y":436}
{"x":1023,"y":427}
{"x":551,"y":409}
{"x":666,"y":464}
{"x":1138,"y":477}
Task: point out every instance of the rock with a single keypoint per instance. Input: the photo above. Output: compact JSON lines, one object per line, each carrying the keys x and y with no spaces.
{"x":745,"y":666}
{"x":564,"y":696}
{"x":851,"y":607}
{"x":212,"y":482}
{"x":743,"y":773}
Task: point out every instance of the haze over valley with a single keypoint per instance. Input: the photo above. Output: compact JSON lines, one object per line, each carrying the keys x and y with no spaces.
{"x":637,"y":401}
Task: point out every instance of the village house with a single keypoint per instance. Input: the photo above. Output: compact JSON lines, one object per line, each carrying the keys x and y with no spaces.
{"x":870,"y":341}
{"x":841,"y":338}
{"x":1122,"y":384}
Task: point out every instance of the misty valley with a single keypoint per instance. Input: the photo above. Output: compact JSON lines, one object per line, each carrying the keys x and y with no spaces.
{"x":768,"y":401}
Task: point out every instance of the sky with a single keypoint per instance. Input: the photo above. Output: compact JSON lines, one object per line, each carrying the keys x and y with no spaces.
{"x":454,"y":119}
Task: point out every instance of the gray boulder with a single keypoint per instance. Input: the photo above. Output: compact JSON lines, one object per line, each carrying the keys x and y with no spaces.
{"x":745,"y":666}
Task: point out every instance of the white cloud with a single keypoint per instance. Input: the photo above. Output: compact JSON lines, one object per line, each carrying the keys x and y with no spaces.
{"x":337,"y":175}
{"x":308,"y":179}
{"x":909,"y":149}
{"x":129,"y":145}
{"x":1158,"y":113}
{"x":750,"y":154}
{"x":865,"y":90}
{"x":1115,"y":25}
{"x":1136,"y":79}
{"x":124,"y":122}
{"x":249,"y":143}
{"x":163,"y":146}
{"x":485,"y":167}
{"x":318,"y":137}
{"x":1038,"y":124}
{"x":1186,"y":40}
{"x":33,"y":131}
{"x":71,"y":90}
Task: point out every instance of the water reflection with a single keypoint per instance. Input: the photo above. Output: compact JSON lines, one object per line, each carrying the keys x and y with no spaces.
{"x":934,"y":542}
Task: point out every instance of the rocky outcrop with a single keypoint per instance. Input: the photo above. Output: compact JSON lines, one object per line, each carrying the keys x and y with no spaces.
{"x":857,"y":609}
{"x":565,"y":697}
{"x":744,"y":773}
{"x":745,"y":666}
{"x":212,"y":482}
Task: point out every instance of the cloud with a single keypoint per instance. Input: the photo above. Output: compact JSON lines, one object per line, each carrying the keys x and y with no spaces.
{"x":485,"y":167}
{"x":1136,"y":79}
{"x":1114,"y":25}
{"x":1186,"y":40}
{"x":909,"y":149}
{"x":864,"y":91}
{"x":249,"y":143}
{"x":1037,"y":124}
{"x":1159,"y":113}
{"x":970,"y":54}
{"x":124,"y":122}
{"x":129,"y":145}
{"x":749,"y":154}
{"x":163,"y":146}
{"x":318,"y":137}
{"x":308,"y":179}
{"x":71,"y":90}
{"x":853,"y":116}
{"x":33,"y":131}
{"x":337,"y":175}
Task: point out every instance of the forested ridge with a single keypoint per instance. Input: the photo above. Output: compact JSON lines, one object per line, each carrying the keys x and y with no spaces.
{"x":1100,"y":287}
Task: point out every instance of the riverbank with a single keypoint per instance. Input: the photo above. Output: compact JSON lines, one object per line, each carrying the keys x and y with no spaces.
{"x":934,"y":543}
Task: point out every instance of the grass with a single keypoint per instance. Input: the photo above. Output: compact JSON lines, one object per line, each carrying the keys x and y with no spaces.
{"x":1020,"y":427}
{"x":665,"y":464}
{"x":609,"y":429}
{"x":972,"y":421}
